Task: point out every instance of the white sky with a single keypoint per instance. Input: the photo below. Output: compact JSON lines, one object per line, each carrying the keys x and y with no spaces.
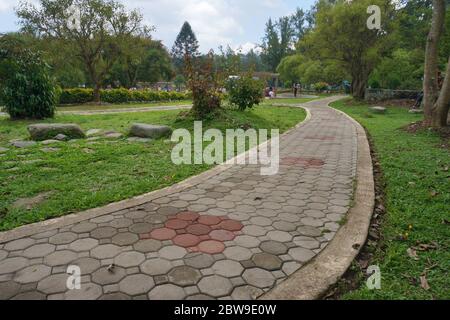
{"x":216,"y":22}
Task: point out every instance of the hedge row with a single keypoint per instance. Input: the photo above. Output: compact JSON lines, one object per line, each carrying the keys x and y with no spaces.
{"x":81,"y":95}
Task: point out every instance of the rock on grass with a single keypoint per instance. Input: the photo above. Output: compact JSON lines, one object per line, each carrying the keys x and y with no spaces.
{"x":150,"y":131}
{"x":45,"y":131}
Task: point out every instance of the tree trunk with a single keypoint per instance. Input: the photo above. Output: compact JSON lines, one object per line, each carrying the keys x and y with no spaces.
{"x":442,"y":106}
{"x":97,"y":93}
{"x":94,"y":78}
{"x":359,"y":84}
{"x":430,"y":80}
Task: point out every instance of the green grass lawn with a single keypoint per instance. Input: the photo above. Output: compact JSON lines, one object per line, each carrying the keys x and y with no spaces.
{"x":85,"y":174}
{"x":417,"y":178}
{"x":88,"y":107}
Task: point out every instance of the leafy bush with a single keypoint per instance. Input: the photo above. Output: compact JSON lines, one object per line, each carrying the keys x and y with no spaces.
{"x":245,"y":92}
{"x":320,"y":86}
{"x":76,"y":96}
{"x":122,"y":95}
{"x":116,"y":95}
{"x":27,"y":89}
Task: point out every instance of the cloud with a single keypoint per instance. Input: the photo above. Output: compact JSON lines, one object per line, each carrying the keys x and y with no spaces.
{"x":6,"y":5}
{"x":247,"y":47}
{"x":215,"y":22}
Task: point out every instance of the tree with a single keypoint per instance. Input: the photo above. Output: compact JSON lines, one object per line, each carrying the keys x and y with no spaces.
{"x":289,"y":68}
{"x":144,"y":60}
{"x":341,"y":35}
{"x":298,"y":20}
{"x":277,"y":42}
{"x":27,"y":89}
{"x":436,"y":105}
{"x":402,"y":70}
{"x":186,"y":44}
{"x":96,"y":29}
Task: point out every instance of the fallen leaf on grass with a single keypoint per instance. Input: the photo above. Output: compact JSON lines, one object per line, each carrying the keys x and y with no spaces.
{"x":424,"y":283}
{"x":426,"y":247}
{"x":412,"y":254}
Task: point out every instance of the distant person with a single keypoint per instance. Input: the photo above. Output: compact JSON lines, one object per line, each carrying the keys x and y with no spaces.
{"x":296,"y":86}
{"x":419,"y":100}
{"x":271,"y":93}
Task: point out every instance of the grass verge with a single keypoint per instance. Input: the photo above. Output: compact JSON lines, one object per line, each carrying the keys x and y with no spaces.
{"x":413,"y":251}
{"x":106,"y":107}
{"x":86,"y":174}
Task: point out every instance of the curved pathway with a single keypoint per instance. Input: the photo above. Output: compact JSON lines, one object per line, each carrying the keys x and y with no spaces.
{"x":117,"y":110}
{"x":228,"y":233}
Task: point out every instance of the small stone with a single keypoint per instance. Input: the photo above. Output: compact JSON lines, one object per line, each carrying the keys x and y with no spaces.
{"x":61,"y":137}
{"x":22,"y":144}
{"x":3,"y":149}
{"x":93,"y":132}
{"x":113,"y":135}
{"x":51,"y":141}
{"x":48,"y":150}
{"x":379,"y":110}
{"x":137,"y":139}
{"x":416,"y":111}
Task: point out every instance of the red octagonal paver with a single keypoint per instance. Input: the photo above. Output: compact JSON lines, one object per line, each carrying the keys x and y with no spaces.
{"x":198,"y":229}
{"x":211,"y":247}
{"x":186,"y":240}
{"x":209,"y":220}
{"x":163,"y":234}
{"x":188,"y":216}
{"x":231,"y":225}
{"x":222,"y":235}
{"x":176,"y":224}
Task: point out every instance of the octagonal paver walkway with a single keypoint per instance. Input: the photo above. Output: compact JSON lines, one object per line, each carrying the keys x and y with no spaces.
{"x":233,"y":236}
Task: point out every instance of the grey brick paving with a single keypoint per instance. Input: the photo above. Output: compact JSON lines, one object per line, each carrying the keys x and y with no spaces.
{"x":280,"y":223}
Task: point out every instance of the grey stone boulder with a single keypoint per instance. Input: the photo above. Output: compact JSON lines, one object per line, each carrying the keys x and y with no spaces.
{"x":380,"y":110}
{"x":45,"y":131}
{"x":416,"y":111}
{"x":150,"y":131}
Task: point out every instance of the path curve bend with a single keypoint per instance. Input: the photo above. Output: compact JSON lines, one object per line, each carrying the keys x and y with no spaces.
{"x":227,"y":233}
